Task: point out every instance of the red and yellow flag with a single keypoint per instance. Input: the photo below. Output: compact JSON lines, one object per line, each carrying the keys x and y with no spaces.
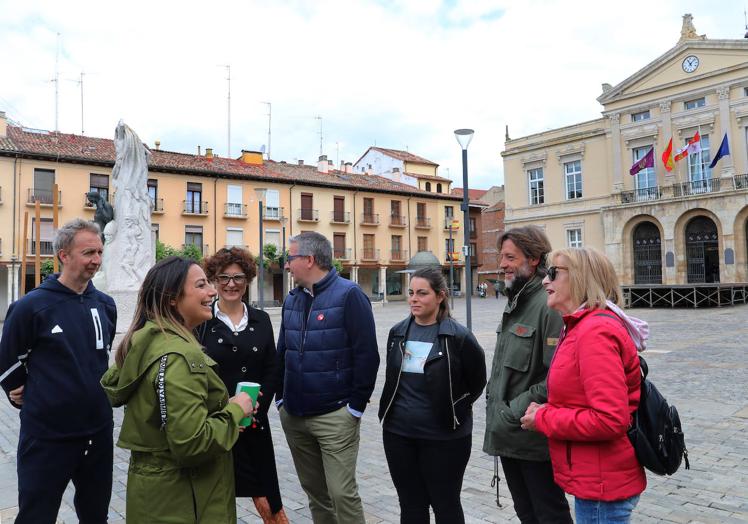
{"x":667,"y":156}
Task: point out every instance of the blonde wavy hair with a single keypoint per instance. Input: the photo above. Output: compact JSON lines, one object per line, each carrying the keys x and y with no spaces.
{"x":592,"y":278}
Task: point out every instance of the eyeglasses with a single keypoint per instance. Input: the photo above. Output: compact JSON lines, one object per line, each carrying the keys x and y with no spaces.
{"x":291,"y":258}
{"x":239,"y":279}
{"x":553,"y":272}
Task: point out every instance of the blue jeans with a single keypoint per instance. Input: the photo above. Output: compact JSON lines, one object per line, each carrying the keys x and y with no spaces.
{"x":601,"y":512}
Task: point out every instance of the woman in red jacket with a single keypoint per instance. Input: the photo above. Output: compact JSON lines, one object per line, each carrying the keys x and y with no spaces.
{"x":593,"y":389}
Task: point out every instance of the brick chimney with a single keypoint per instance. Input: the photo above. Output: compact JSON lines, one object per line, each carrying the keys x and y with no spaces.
{"x":322,"y":165}
{"x":301,"y":162}
{"x":3,"y":124}
{"x":348,"y":167}
{"x":209,"y":153}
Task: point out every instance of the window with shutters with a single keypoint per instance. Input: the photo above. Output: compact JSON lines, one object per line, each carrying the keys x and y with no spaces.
{"x":99,"y":184}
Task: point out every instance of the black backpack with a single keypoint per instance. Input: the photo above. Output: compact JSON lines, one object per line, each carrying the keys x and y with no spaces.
{"x":656,"y":432}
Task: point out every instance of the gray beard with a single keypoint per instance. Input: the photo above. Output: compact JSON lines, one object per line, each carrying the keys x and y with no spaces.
{"x":514,"y":287}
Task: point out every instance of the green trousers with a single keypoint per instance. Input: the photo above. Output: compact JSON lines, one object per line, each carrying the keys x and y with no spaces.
{"x":324,"y":450}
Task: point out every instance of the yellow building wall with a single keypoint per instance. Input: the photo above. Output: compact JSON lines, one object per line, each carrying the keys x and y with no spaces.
{"x":74,"y":182}
{"x":420,"y":169}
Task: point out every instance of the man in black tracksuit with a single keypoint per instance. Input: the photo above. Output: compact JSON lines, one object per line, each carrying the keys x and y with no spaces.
{"x":54,"y":349}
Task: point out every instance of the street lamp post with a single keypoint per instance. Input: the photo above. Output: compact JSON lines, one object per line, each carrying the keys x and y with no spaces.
{"x":464,"y":136}
{"x":450,"y":254}
{"x":283,"y":259}
{"x":260,"y":269}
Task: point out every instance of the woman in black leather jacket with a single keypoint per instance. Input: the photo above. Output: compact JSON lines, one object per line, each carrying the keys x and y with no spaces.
{"x":435,"y":371}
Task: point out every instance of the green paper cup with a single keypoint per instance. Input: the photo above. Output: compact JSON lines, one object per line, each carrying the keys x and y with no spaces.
{"x":253,"y":390}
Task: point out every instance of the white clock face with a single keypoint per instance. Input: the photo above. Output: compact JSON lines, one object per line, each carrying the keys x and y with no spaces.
{"x":690,"y":63}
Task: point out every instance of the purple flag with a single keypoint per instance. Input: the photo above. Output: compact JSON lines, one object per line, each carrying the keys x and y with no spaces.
{"x":646,"y":161}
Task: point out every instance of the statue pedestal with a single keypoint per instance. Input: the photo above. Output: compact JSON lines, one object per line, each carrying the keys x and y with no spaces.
{"x":126,"y":302}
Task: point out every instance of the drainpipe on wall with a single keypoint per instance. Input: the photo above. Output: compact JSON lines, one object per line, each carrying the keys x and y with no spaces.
{"x":355,"y":239}
{"x":215,"y":216}
{"x":410,"y":229}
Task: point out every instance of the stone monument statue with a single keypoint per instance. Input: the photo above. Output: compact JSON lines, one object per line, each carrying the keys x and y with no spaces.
{"x":688,"y":31}
{"x":129,"y":250}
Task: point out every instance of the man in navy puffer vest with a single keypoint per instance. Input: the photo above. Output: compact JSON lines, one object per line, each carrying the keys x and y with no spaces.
{"x":329,"y":360}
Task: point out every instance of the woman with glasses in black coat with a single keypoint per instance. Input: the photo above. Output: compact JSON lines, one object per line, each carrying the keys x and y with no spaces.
{"x":240,"y":338}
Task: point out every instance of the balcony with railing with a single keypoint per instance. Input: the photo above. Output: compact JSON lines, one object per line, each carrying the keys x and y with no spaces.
{"x":398,"y":255}
{"x":340,"y":217}
{"x":194,"y":207}
{"x":46,"y":248}
{"x":44,"y":196}
{"x":696,"y":187}
{"x":202,"y":247}
{"x":306,"y":214}
{"x":473,"y":233}
{"x":158,"y":205}
{"x":234,"y":210}
{"x":423,"y":223}
{"x":369,"y":219}
{"x":370,"y":255}
{"x":342,"y":253}
{"x":240,"y":246}
{"x":684,"y":189}
{"x":398,"y":221}
{"x":273,"y":213}
{"x":641,"y":195}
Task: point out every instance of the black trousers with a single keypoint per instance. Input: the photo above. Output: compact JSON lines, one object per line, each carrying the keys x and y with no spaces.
{"x":428,"y":473}
{"x":45,"y":467}
{"x":537,"y":498}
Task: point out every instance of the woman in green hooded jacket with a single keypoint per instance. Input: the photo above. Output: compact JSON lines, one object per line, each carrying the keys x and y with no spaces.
{"x":180,"y":424}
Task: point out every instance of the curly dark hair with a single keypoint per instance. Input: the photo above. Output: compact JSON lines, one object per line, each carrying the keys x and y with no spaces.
{"x":225,"y":257}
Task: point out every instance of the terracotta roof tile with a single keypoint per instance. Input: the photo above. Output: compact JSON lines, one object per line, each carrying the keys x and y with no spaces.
{"x":428,"y":177}
{"x":405,"y":156}
{"x":77,"y":148}
{"x":473,"y":194}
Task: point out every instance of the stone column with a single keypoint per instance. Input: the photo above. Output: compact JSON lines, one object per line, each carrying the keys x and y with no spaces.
{"x":615,"y":137}
{"x":727,"y":272}
{"x":726,"y":164}
{"x":253,"y":293}
{"x":10,"y":270}
{"x":383,"y":283}
{"x":667,"y":135}
{"x":354,"y":274}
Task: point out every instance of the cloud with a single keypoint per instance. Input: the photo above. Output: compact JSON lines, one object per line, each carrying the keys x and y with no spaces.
{"x":400,"y":74}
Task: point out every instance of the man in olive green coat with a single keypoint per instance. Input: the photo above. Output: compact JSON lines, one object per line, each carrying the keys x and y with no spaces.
{"x":526,"y":339}
{"x":179,"y":427}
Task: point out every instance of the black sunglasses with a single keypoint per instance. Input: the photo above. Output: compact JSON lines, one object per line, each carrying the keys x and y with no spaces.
{"x":553,"y":272}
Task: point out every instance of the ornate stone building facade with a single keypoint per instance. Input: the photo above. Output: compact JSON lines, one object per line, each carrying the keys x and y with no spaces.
{"x":688,"y":225}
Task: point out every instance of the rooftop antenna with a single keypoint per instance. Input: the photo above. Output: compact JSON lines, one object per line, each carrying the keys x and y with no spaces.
{"x":320,"y":133}
{"x":337,"y":154}
{"x":228,"y":110}
{"x":745,"y":16}
{"x":56,"y":81}
{"x":80,"y":83}
{"x":270,"y":116}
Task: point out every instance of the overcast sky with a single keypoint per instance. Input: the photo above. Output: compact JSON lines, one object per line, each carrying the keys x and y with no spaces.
{"x":397,"y":74}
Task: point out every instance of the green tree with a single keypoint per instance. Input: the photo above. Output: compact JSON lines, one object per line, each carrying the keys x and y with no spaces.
{"x":47,"y":268}
{"x":338,"y":265}
{"x":163,"y":251}
{"x":192,"y":251}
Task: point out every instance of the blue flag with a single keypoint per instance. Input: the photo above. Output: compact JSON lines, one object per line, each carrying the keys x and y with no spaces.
{"x":724,"y":150}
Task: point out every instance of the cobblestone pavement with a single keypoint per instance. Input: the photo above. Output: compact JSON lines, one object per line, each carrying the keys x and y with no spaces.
{"x":696,"y":357}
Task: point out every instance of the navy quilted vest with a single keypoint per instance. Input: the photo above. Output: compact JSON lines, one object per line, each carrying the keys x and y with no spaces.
{"x":319,"y":359}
